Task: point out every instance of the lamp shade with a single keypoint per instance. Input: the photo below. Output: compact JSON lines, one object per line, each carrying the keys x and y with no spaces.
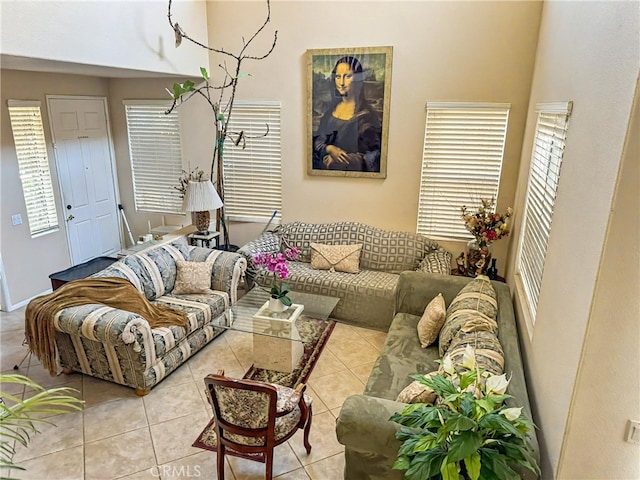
{"x":200,"y":197}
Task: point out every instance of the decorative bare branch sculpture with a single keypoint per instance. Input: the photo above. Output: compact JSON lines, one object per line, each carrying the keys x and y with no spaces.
{"x":222,"y":107}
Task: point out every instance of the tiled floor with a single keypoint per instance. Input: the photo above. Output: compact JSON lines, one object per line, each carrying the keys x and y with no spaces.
{"x":121,"y":436}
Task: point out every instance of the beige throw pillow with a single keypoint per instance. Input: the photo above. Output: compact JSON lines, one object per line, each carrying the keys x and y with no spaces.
{"x":336,"y":258}
{"x":417,"y":392}
{"x":193,"y":277}
{"x":432,"y":320}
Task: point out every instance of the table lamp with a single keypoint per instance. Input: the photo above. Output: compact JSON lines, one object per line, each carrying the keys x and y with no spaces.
{"x":200,"y":198}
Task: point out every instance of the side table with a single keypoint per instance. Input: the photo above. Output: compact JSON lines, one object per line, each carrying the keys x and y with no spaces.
{"x":82,"y":270}
{"x":204,"y":239}
{"x":454,"y":271}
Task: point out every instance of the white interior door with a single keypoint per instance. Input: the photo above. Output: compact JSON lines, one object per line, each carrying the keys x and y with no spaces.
{"x":84,"y":163}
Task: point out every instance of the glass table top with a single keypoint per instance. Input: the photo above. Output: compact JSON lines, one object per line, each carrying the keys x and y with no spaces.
{"x":242,"y":314}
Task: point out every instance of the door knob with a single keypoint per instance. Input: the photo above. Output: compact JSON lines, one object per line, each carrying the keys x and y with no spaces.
{"x":68,"y":207}
{"x":70,"y":217}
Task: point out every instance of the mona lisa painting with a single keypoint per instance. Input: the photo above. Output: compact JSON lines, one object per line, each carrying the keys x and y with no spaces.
{"x":348,"y":104}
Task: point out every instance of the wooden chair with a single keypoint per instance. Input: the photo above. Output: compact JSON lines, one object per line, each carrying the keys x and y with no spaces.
{"x":251,"y":418}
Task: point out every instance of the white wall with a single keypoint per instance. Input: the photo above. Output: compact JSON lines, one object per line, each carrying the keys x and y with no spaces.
{"x":29,"y":261}
{"x":607,"y":391}
{"x":133,"y":35}
{"x":588,"y":52}
{"x":442,"y":51}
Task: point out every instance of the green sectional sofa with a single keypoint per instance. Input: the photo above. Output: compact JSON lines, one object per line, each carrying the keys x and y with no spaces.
{"x":120,"y":346}
{"x":363,"y":426}
{"x":366,"y":297}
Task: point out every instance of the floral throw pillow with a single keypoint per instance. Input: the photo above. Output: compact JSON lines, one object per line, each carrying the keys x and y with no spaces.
{"x":193,"y":277}
{"x":336,"y":258}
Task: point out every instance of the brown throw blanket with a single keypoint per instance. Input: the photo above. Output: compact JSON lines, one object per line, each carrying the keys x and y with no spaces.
{"x":110,"y":291}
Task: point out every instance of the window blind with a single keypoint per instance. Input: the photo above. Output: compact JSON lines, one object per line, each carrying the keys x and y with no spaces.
{"x":544,"y":176}
{"x":33,"y":164}
{"x":461,"y":163}
{"x":156,"y":155}
{"x":252,"y":169}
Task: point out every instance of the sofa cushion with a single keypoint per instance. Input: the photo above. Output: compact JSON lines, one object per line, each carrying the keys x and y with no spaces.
{"x":336,"y":258}
{"x":431,"y":321}
{"x":384,"y":250}
{"x":417,"y":392}
{"x":193,"y":277}
{"x":476,"y":301}
{"x":438,"y":261}
{"x":401,"y":356}
{"x":488,"y":351}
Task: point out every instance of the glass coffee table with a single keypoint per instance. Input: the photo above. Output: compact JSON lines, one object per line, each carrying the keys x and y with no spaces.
{"x":278,"y":344}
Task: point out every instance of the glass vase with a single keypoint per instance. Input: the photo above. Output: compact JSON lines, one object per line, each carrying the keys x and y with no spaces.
{"x":478,"y":258}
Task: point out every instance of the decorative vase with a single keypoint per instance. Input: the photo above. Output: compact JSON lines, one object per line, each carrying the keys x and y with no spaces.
{"x":492,"y":271}
{"x":275,"y":305}
{"x":477,"y":258}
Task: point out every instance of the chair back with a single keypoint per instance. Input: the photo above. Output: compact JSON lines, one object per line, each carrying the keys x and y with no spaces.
{"x":245,"y":411}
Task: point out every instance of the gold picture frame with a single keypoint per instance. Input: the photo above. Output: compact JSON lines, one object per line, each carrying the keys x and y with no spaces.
{"x":348,"y":92}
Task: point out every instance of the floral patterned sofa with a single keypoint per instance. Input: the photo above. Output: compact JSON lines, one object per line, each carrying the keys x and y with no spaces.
{"x":119,"y":346}
{"x":367,"y":298}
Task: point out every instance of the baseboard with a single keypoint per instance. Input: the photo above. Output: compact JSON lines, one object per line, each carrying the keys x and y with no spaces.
{"x":12,"y":307}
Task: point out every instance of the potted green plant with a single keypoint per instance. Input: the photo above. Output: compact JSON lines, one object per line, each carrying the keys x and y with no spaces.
{"x":468,"y":432}
{"x":19,"y":418}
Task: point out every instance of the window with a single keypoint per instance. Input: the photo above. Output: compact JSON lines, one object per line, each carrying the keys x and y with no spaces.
{"x":156,"y":155}
{"x":461,"y":163}
{"x":544,"y":175}
{"x":33,"y":164}
{"x":252,"y":169}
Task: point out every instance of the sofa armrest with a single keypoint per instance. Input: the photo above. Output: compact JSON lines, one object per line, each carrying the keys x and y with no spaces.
{"x":364,"y":425}
{"x":228,"y":269}
{"x":268,"y":242}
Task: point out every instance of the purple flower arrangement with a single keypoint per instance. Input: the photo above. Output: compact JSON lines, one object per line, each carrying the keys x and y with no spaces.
{"x":276,"y":264}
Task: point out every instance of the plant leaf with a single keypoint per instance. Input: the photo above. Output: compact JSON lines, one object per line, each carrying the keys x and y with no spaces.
{"x":426,"y":464}
{"x":464,"y":445}
{"x":457,"y":422}
{"x":493,"y":465}
{"x":472,"y":464}
{"x":448,"y":470}
{"x":204,"y":73}
{"x":497,"y":422}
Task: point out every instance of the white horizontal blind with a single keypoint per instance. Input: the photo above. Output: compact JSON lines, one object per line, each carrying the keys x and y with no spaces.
{"x":33,"y":163}
{"x":156,"y":155}
{"x":252,"y":175}
{"x":461,"y":163}
{"x":544,"y":175}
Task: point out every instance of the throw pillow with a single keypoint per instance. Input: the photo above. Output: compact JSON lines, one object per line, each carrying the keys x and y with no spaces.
{"x":438,"y":261}
{"x":417,"y":392}
{"x":476,"y":300}
{"x":489,"y":353}
{"x":193,"y":277}
{"x":432,"y":320}
{"x":336,"y":258}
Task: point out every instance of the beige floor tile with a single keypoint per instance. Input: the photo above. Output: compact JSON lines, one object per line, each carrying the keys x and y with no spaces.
{"x":318,"y":405}
{"x":377,"y":339}
{"x":119,"y":456}
{"x":322,"y":439}
{"x":214,"y":357}
{"x":108,"y":419}
{"x":199,"y":466}
{"x":328,"y":469}
{"x":42,"y":377}
{"x":12,"y":388}
{"x":96,"y":391}
{"x":10,"y":321}
{"x":284,"y":461}
{"x":328,"y":363}
{"x":355,"y":352}
{"x":146,"y":474}
{"x":343,"y":332}
{"x":179,"y":376}
{"x":12,"y":351}
{"x":173,"y":402}
{"x":336,"y":412}
{"x":63,"y":432}
{"x":363,"y":371}
{"x":65,"y":464}
{"x":172,"y":440}
{"x":333,"y":389}
{"x":299,"y":474}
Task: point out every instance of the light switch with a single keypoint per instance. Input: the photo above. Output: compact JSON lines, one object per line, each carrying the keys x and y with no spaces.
{"x":16,"y":219}
{"x":633,"y":431}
